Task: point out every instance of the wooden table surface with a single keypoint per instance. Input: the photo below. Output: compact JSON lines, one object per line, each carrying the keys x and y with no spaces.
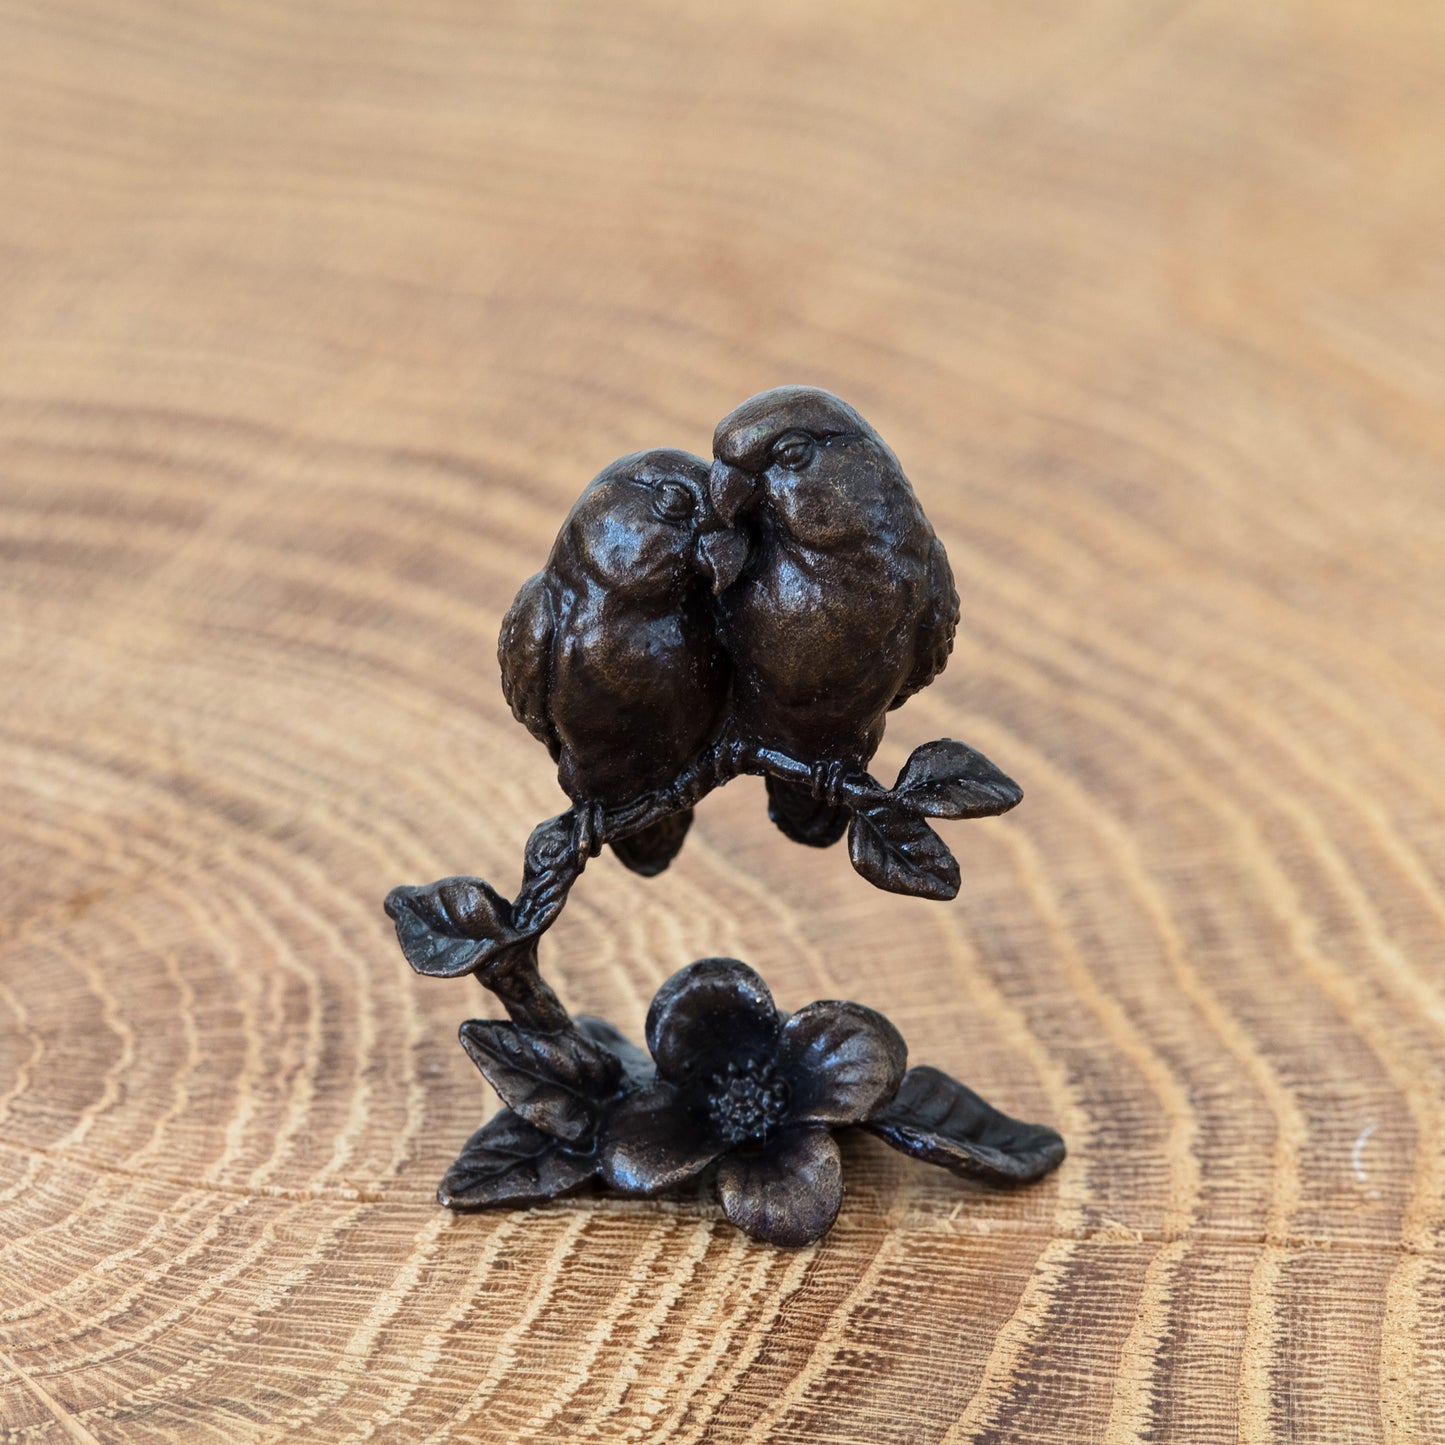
{"x":313,"y":321}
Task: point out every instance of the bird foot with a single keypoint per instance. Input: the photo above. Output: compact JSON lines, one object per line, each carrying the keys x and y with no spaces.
{"x":727,"y":759}
{"x":587,"y":831}
{"x":826,"y":782}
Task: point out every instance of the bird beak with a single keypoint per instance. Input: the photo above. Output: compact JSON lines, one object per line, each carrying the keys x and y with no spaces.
{"x":722,"y":554}
{"x":731,"y":490}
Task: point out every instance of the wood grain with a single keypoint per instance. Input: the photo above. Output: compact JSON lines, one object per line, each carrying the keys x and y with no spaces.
{"x":314,"y":319}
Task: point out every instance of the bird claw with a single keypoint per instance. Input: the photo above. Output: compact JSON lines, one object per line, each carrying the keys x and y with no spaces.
{"x":826,"y":781}
{"x":587,"y":827}
{"x":727,"y":759}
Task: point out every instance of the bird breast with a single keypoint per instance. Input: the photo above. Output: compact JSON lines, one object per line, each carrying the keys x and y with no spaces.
{"x":637,"y":691}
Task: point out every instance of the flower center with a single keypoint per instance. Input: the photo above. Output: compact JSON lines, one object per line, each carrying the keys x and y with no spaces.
{"x":747,"y":1102}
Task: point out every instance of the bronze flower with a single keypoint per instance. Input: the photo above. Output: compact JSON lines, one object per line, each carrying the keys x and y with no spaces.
{"x":757,"y":1092}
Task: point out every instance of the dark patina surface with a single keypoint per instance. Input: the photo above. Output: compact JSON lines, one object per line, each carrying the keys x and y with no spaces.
{"x":694,"y":623}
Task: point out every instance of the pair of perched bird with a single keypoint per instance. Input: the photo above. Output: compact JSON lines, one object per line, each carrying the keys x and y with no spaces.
{"x":785,"y":598}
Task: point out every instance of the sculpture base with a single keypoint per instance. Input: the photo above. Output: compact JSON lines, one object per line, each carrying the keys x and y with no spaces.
{"x":734,"y":1094}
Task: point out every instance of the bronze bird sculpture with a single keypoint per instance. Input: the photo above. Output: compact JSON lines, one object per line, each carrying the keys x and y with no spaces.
{"x":846,"y":606}
{"x":693,"y":625}
{"x":610,"y":654}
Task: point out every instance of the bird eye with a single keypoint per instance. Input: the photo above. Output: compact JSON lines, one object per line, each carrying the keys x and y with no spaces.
{"x":794,"y":451}
{"x":673,"y":502}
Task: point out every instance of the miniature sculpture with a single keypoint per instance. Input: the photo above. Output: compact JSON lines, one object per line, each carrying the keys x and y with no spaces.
{"x":694,"y":623}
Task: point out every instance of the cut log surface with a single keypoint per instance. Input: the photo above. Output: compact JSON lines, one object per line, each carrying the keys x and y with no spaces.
{"x":315,"y":319}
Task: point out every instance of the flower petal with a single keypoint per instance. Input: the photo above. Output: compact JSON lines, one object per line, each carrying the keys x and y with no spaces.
{"x":844,"y":1062}
{"x":712,"y":1012}
{"x":651,"y":1143}
{"x":788,"y":1192}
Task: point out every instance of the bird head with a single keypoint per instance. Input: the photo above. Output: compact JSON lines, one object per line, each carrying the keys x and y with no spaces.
{"x":647,"y":519}
{"x":764,"y":445}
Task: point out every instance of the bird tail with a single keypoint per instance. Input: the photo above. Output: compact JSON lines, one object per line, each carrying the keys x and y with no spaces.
{"x":804,"y":818}
{"x":651,"y":850}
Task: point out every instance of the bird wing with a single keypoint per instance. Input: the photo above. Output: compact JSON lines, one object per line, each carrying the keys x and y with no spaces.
{"x":936,"y":627}
{"x":524,"y":650}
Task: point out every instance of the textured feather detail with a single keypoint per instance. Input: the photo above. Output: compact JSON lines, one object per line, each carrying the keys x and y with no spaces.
{"x":804,"y":818}
{"x":936,"y":628}
{"x":524,"y":650}
{"x":651,"y":850}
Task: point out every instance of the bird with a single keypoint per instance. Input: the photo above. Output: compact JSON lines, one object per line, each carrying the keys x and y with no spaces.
{"x":610,"y":654}
{"x":846,"y":605}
